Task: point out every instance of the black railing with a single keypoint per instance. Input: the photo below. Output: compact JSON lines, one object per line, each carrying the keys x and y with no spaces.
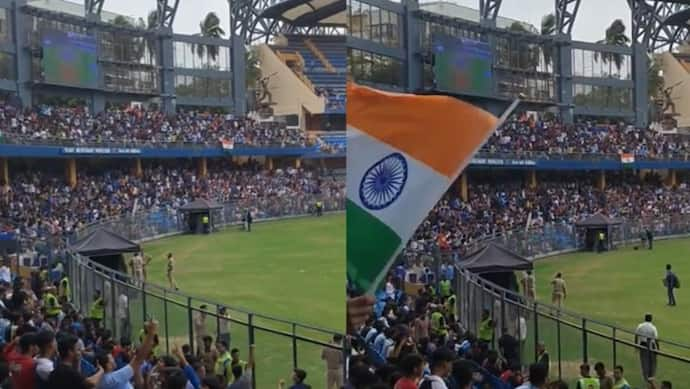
{"x":281,"y":345}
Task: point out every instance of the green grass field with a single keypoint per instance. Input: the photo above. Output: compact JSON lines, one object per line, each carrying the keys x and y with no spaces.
{"x":290,"y":269}
{"x":619,"y":287}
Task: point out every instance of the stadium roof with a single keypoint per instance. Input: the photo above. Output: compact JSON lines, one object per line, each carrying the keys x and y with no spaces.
{"x":453,"y":10}
{"x":73,"y":8}
{"x":308,"y":12}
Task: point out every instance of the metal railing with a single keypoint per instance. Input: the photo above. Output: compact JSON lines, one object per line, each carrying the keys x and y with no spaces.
{"x":569,"y":337}
{"x":281,"y":345}
{"x":13,"y":139}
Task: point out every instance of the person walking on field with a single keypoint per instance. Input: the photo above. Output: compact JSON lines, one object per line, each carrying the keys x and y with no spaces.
{"x":671,"y":282}
{"x":171,"y":272}
{"x":559,"y":293}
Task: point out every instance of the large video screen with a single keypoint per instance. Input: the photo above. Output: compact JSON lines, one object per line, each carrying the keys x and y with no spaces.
{"x":69,"y":59}
{"x":462,"y":65}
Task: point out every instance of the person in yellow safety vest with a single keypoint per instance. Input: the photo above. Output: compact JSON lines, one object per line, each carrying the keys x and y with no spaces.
{"x":64,"y":290}
{"x":486,"y":328}
{"x":51,"y":304}
{"x":601,"y":238}
{"x":319,"y":208}
{"x":444,"y":287}
{"x":223,"y":368}
{"x":438,"y":323}
{"x":586,"y":381}
{"x":451,"y":305}
{"x":204,"y":222}
{"x":97,"y":312}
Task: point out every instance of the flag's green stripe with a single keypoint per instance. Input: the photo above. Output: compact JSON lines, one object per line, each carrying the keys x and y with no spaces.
{"x":370,"y":245}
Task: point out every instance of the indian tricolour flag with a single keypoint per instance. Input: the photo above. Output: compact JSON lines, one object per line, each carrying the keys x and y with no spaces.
{"x":627,"y":159}
{"x":403,"y":152}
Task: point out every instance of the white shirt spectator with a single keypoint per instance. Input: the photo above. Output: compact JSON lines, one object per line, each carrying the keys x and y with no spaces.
{"x":646,"y":332}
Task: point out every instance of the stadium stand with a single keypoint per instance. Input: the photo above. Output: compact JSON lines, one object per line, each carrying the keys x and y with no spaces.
{"x":325,"y":66}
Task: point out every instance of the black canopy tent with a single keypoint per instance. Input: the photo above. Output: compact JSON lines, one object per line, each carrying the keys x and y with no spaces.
{"x":497,"y":264}
{"x":106,"y":248}
{"x":194,"y":213}
{"x":595,"y":224}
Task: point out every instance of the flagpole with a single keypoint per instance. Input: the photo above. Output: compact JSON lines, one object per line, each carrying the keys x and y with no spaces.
{"x":502,"y":119}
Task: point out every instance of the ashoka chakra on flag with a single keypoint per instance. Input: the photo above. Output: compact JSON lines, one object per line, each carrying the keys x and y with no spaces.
{"x":383,"y":183}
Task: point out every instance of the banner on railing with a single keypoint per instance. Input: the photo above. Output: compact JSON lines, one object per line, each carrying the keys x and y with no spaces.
{"x":502,"y":162}
{"x":101,"y":150}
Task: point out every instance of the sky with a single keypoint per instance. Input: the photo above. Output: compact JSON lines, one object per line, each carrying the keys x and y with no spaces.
{"x":591,"y":22}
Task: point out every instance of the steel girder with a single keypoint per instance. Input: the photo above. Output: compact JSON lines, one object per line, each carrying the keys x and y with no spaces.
{"x":248,"y":23}
{"x":166,"y":12}
{"x":488,"y":10}
{"x":93,"y":7}
{"x":648,"y":27}
{"x":566,"y":12}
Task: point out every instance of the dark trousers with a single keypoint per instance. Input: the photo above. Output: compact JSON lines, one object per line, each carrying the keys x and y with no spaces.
{"x":648,"y":363}
{"x":671,"y":296}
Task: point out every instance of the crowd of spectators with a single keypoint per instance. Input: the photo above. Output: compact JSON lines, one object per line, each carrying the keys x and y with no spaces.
{"x":40,"y":204}
{"x":526,"y":134}
{"x":46,"y":343}
{"x":415,"y":342}
{"x":493,"y":209}
{"x":139,"y":126}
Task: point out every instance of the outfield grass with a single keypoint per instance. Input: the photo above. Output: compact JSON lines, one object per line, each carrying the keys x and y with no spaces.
{"x":619,"y":287}
{"x":290,"y":269}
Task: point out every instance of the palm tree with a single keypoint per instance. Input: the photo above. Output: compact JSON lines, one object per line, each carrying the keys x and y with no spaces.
{"x":133,"y":49}
{"x":151,"y":24}
{"x":210,"y":28}
{"x":252,"y":67}
{"x":518,"y":27}
{"x":615,"y":36}
{"x":548,"y":27}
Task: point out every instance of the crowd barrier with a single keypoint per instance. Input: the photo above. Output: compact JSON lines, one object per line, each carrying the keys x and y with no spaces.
{"x":569,"y":338}
{"x":281,"y":345}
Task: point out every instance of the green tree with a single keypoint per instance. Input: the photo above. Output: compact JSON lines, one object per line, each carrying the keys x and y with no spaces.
{"x":548,"y":27}
{"x":210,"y":28}
{"x":655,"y":82}
{"x":128,"y":48}
{"x":252,"y":67}
{"x":615,"y":36}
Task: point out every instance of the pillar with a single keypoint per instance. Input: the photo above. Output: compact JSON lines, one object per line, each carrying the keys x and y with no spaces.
{"x":298,"y":163}
{"x":269,"y":163}
{"x":23,"y":57}
{"x":532,"y":179}
{"x":167,"y":70}
{"x":464,"y":192}
{"x":202,"y":167}
{"x":238,"y":61}
{"x":4,"y":172}
{"x":640,"y":70}
{"x":71,"y":172}
{"x":138,"y":171}
{"x":601,"y":181}
{"x":564,"y":67}
{"x":671,"y":179}
{"x":410,"y":30}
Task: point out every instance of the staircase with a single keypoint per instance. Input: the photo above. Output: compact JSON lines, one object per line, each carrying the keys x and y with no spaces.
{"x":325,"y":65}
{"x":315,"y":50}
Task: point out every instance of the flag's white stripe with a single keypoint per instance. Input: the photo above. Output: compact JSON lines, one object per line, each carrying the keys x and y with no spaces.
{"x":423,"y":189}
